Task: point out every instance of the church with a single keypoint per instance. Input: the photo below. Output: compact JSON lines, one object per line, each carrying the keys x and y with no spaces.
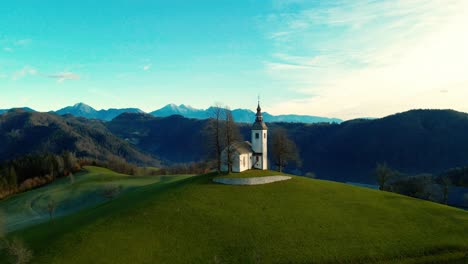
{"x":249,"y":155}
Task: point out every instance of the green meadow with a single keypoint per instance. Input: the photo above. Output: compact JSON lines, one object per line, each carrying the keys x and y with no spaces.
{"x":86,"y":190}
{"x":297,"y":221}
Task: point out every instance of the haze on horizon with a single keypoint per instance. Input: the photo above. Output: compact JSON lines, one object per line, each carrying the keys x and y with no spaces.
{"x":343,"y":59}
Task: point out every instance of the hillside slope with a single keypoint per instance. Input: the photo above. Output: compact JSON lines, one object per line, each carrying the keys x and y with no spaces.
{"x":175,"y":138}
{"x":24,"y":133}
{"x":296,"y":221}
{"x":417,"y":141}
{"x":87,"y":190}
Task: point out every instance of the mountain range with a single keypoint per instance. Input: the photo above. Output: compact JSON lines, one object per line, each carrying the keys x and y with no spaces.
{"x":240,"y":115}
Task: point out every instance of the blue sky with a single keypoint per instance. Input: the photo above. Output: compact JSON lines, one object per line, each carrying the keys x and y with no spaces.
{"x":343,"y":59}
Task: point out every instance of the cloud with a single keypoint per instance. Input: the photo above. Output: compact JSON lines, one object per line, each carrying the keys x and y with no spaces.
{"x":8,"y":49}
{"x":61,"y":77}
{"x":22,"y":42}
{"x":371,"y":58}
{"x":147,"y":67}
{"x":24,"y":72}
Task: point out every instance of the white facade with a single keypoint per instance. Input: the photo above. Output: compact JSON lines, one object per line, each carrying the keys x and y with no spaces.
{"x":240,"y":162}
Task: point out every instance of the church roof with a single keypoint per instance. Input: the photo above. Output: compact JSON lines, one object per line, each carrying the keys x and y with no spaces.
{"x":259,"y":126}
{"x":242,"y":147}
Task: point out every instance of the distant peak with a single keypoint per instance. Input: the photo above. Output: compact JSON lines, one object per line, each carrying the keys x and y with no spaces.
{"x":81,"y":105}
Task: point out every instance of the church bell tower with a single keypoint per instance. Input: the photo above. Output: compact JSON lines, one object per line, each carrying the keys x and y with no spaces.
{"x":259,"y":141}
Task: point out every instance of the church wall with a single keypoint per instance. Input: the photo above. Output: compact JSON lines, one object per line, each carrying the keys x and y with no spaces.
{"x":244,"y":162}
{"x":238,"y":162}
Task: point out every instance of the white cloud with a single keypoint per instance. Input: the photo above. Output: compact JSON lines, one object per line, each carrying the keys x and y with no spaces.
{"x":147,"y":67}
{"x":8,"y":49}
{"x":24,"y":72}
{"x":373,"y":58}
{"x":61,"y":77}
{"x":22,"y":42}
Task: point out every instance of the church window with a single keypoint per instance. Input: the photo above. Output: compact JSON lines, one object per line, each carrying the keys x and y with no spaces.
{"x":264,"y":135}
{"x":257,"y":135}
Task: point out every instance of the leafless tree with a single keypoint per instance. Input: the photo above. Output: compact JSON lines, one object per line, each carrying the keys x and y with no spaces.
{"x":283,"y":149}
{"x":215,"y":133}
{"x":71,"y":177}
{"x":232,"y":134}
{"x":51,"y":208}
{"x":383,"y":174}
{"x":446,"y":185}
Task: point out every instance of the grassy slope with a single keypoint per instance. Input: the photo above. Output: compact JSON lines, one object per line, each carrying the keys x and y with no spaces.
{"x":295,"y":221}
{"x":31,"y":207}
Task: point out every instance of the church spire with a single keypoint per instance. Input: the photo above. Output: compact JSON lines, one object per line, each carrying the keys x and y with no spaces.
{"x":259,"y":117}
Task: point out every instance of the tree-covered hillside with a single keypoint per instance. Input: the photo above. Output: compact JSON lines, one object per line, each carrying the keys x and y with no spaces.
{"x":412,"y":142}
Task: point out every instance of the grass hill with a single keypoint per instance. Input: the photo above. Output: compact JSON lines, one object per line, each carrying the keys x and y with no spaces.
{"x":296,"y":221}
{"x":24,"y":133}
{"x":87,"y":189}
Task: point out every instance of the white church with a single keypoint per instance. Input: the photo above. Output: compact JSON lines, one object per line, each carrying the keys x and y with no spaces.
{"x":249,"y":155}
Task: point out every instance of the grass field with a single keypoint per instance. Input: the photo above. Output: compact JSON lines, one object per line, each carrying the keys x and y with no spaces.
{"x":295,"y":221}
{"x":87,"y":190}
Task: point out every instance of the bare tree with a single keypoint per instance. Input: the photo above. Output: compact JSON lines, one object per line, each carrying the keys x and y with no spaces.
{"x":215,"y":133}
{"x":383,"y":174}
{"x":71,"y":177}
{"x":232,"y":134}
{"x":51,"y":208}
{"x":283,"y":149}
{"x":446,"y":185}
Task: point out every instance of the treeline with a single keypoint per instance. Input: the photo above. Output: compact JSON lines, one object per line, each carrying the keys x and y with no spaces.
{"x":456,"y":176}
{"x":30,"y":171}
{"x":35,"y":170}
{"x":423,"y":186}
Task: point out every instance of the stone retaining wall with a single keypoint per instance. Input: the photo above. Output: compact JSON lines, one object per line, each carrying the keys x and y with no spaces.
{"x":251,"y":181}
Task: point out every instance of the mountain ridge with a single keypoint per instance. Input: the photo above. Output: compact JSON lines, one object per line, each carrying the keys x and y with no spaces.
{"x":240,"y":115}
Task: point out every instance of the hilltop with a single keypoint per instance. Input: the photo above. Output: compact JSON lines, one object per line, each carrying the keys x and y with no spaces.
{"x":295,"y":221}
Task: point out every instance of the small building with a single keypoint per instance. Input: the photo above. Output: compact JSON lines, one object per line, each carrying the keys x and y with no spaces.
{"x":249,"y":155}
